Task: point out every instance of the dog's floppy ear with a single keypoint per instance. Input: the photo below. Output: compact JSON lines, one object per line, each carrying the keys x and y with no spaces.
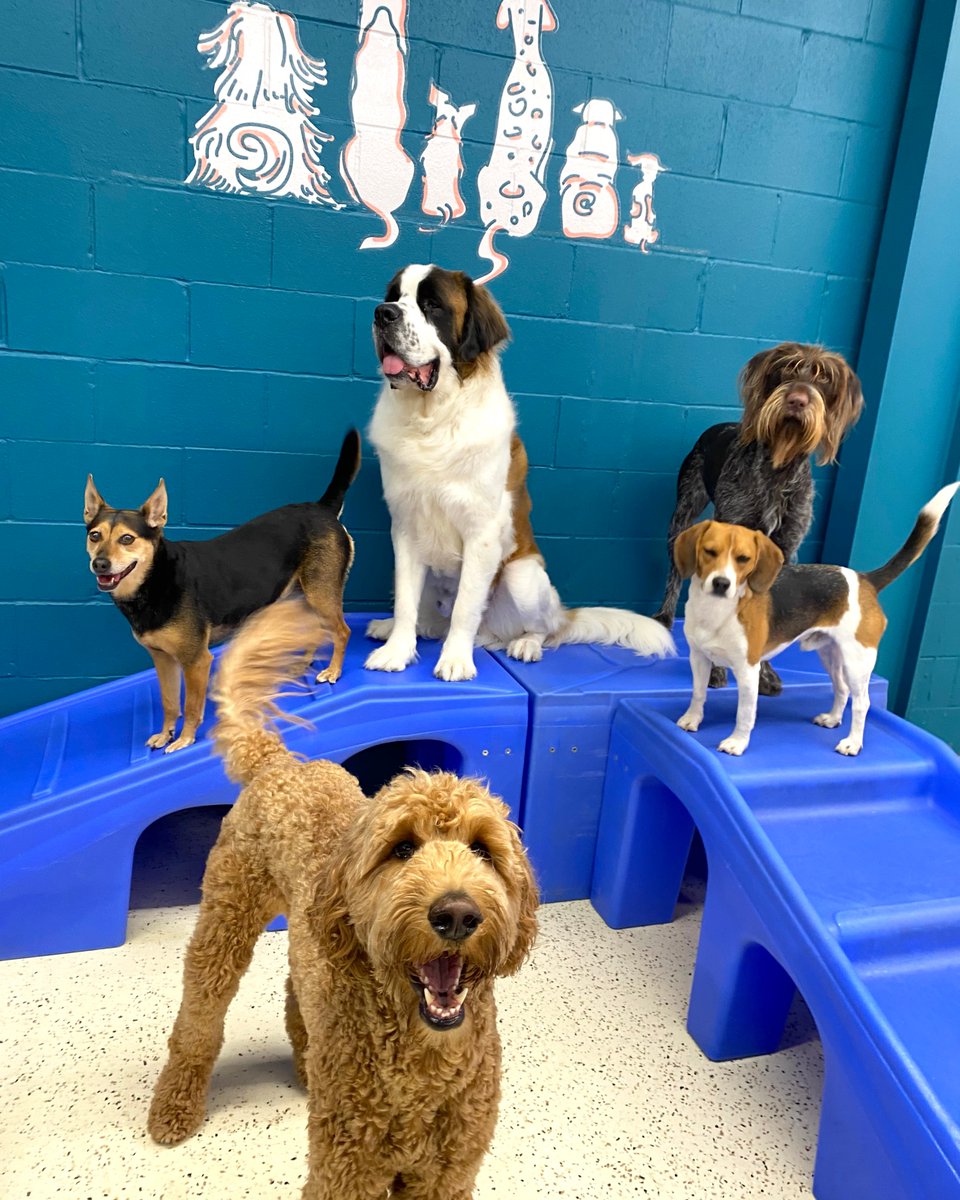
{"x":769,"y":562}
{"x":154,"y":508}
{"x":330,"y":916}
{"x":484,"y":326}
{"x":843,"y":409}
{"x":92,"y":501}
{"x":685,"y":548}
{"x":529,"y":900}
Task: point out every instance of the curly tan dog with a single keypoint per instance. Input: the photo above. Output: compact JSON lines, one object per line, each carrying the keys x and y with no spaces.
{"x":402,"y":911}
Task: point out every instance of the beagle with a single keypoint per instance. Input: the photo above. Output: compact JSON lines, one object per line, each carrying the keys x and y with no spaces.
{"x":745,"y":606}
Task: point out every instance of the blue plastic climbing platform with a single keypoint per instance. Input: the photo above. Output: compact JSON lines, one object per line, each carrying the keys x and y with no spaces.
{"x":839,"y":876}
{"x":79,"y":786}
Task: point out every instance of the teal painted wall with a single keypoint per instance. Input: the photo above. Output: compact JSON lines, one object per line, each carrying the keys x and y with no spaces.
{"x":148,"y":328}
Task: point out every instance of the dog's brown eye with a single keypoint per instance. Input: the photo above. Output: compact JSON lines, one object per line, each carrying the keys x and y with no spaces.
{"x":405,"y":849}
{"x":743,"y":558}
{"x":126,"y":539}
{"x":710,"y":553}
{"x":94,"y":536}
{"x":480,"y":850}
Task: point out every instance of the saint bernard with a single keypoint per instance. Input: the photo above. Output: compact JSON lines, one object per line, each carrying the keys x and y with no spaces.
{"x":467,"y":567}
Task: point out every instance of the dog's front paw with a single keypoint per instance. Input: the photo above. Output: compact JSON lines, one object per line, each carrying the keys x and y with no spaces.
{"x":827,"y":720}
{"x":526,"y":649}
{"x":380,"y":628}
{"x":734,"y":744}
{"x":454,"y":666}
{"x":159,"y":740}
{"x":184,"y":740}
{"x":178,"y":1106}
{"x":849,"y":746}
{"x":392,"y":656}
{"x":690,"y":721}
{"x":329,"y":675}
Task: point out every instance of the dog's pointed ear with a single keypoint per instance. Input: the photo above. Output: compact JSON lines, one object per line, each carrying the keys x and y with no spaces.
{"x":529,"y":900}
{"x":686,"y":546}
{"x":769,"y":562}
{"x":92,"y":501}
{"x":154,"y":508}
{"x":484,"y":325}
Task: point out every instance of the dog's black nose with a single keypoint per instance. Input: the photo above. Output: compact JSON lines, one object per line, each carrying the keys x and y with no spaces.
{"x":101,"y":565}
{"x":455,"y":916}
{"x":721,"y":585}
{"x":386,"y":314}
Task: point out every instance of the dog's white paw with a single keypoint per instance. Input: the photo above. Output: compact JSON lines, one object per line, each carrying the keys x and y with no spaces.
{"x":526,"y":649}
{"x":827,"y":720}
{"x":380,"y":628}
{"x":734,"y":744}
{"x":690,"y":721}
{"x":454,"y":667}
{"x":328,"y":675}
{"x":159,"y":740}
{"x":392,"y":656}
{"x":849,"y":746}
{"x":184,"y":740}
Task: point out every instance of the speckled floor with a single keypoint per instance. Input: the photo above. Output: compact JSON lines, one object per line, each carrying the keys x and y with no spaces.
{"x":604,"y":1094}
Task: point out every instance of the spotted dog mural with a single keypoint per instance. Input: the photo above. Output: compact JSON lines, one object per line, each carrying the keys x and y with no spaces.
{"x":588,"y":197}
{"x":442,"y":160}
{"x":511,"y":185}
{"x":258,"y":137}
{"x":642,"y":231}
{"x":375,"y":167}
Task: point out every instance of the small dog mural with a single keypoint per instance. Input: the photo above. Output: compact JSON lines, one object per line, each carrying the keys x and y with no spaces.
{"x":511,"y":185}
{"x":374,"y":165}
{"x":442,"y":159}
{"x":641,"y":230}
{"x":588,"y":196}
{"x":258,"y":137}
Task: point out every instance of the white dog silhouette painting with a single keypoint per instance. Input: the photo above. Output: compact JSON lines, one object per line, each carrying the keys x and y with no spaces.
{"x":442,"y":160}
{"x":589,"y":205}
{"x":642,"y":230}
{"x":374,"y":165}
{"x":511,"y":185}
{"x":258,"y":137}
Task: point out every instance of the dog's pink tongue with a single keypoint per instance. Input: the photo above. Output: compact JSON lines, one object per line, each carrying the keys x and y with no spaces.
{"x":393,"y":364}
{"x":442,"y":975}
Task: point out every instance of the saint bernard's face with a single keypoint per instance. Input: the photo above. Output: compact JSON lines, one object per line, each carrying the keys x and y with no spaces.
{"x":435,"y":326}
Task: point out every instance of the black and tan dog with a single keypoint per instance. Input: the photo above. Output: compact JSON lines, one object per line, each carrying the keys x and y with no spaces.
{"x":180,"y":596}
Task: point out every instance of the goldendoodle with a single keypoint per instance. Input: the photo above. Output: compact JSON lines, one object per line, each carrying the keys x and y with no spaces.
{"x":402,"y":911}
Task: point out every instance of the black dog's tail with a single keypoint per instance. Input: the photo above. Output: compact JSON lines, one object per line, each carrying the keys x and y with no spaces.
{"x":345,"y":472}
{"x":922,"y":533}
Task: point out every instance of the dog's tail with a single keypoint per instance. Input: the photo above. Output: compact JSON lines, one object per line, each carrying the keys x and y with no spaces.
{"x":344,"y":473}
{"x":615,"y":627}
{"x":274,"y":646}
{"x":927,"y":524}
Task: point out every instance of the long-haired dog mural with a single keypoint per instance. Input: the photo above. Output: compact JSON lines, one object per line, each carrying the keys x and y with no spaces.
{"x":641,"y":230}
{"x":442,"y":159}
{"x":374,"y":165}
{"x":258,"y":136}
{"x":589,"y":204}
{"x":511,"y":185}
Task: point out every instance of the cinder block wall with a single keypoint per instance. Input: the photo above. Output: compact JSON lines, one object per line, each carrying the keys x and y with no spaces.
{"x":222,"y":341}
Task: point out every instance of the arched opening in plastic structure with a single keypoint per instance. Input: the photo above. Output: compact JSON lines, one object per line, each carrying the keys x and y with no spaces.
{"x":171,"y":854}
{"x":377,"y":765}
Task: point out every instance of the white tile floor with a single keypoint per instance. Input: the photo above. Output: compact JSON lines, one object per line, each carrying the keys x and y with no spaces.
{"x":604,"y":1094}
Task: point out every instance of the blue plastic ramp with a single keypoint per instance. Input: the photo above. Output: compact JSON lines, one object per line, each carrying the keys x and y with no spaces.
{"x":840,"y":876}
{"x":79,"y":785}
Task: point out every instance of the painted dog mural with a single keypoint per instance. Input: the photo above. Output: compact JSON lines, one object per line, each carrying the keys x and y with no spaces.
{"x":441,"y":158}
{"x":588,"y":196}
{"x":642,"y":231}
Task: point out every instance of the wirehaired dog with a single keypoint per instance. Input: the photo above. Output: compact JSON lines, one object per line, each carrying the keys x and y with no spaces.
{"x":798,"y":400}
{"x":745,"y":606}
{"x":402,"y":909}
{"x":180,"y":596}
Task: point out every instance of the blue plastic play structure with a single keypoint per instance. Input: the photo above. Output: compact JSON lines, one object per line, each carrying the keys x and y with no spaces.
{"x":837,"y":876}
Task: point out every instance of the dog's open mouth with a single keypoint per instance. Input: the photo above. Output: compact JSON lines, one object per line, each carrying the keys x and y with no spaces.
{"x":107,"y":583}
{"x":424,"y":376}
{"x":442,"y":991}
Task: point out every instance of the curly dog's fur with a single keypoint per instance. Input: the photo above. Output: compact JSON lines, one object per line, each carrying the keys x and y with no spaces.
{"x":396,"y":906}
